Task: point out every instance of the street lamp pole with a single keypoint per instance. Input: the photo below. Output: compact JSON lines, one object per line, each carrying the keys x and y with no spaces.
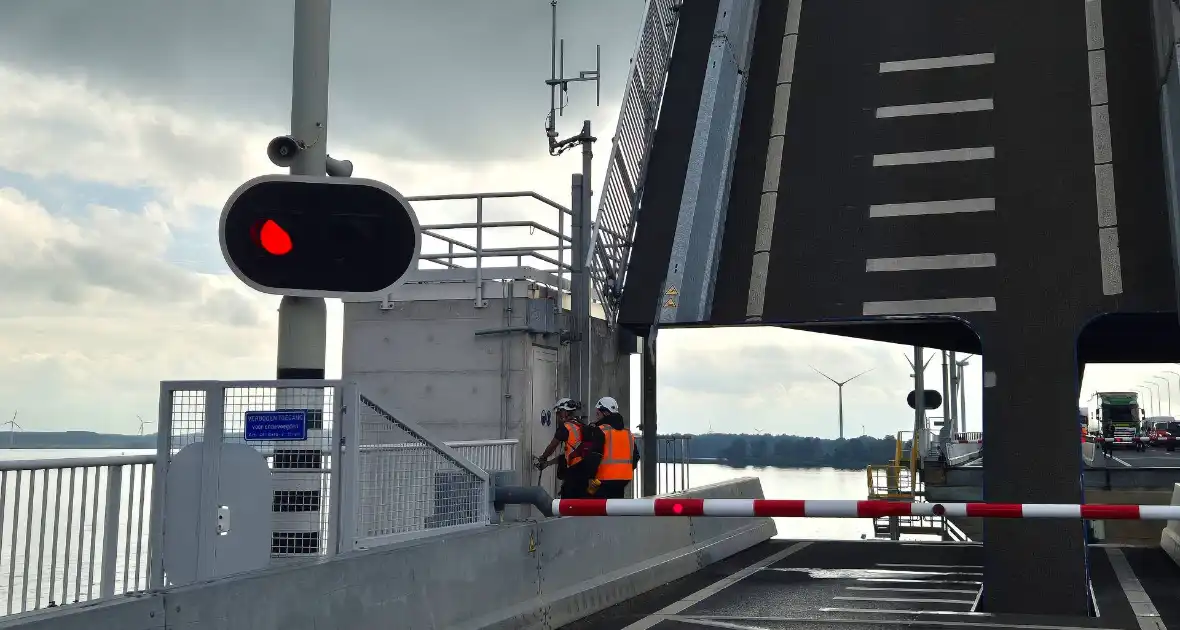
{"x":1177,"y":375}
{"x":1167,"y":390}
{"x":1146,"y":395}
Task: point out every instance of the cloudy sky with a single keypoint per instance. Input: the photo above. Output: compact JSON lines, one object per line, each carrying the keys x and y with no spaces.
{"x":127,"y":123}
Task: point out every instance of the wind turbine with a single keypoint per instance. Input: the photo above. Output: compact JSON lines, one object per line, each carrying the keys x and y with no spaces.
{"x":12,"y":427}
{"x":840,"y":389}
{"x":142,"y":422}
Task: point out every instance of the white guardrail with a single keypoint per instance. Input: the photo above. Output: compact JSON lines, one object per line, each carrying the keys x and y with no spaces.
{"x":77,"y":529}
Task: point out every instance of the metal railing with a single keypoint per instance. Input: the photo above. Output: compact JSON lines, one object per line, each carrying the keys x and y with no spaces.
{"x":672,"y":469}
{"x":462,"y":246}
{"x":76,"y":529}
{"x":626,"y":171}
{"x":404,"y":483}
{"x":72,"y":530}
{"x":892,"y":482}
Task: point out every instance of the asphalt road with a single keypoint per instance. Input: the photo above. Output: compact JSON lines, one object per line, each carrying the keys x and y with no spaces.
{"x":878,"y":585}
{"x":1153,"y":457}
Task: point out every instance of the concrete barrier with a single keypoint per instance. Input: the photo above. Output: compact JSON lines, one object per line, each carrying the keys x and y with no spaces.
{"x":519,"y":575}
{"x":1170,"y":537}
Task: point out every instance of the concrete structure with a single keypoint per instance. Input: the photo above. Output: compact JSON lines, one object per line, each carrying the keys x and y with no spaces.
{"x":540,"y":574}
{"x":475,"y":372}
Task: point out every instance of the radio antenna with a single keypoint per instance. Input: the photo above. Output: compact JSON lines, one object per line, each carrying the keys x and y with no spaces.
{"x":559,"y":84}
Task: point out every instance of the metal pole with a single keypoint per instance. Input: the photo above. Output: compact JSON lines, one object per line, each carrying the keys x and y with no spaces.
{"x":1167,"y":391}
{"x":587,"y":233}
{"x":303,"y":321}
{"x":649,"y":459}
{"x":953,"y":402}
{"x":961,"y":410}
{"x":577,"y":295}
{"x":580,"y":324}
{"x":840,"y":406}
{"x":110,"y":530}
{"x":948,"y":418}
{"x":919,"y":403}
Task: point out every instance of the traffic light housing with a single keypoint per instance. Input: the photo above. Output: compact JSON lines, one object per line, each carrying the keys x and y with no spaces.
{"x":319,"y":237}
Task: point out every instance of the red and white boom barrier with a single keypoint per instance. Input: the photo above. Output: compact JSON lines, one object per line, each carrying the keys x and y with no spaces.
{"x":856,"y":509}
{"x":1129,"y":440}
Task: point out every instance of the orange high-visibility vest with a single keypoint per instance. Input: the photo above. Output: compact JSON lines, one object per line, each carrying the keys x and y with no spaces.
{"x":572,"y":442}
{"x":616,"y":455}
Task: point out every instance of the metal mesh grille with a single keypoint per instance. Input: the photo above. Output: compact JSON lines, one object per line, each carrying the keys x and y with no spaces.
{"x":622,"y":189}
{"x":407,"y":485}
{"x":300,"y":470}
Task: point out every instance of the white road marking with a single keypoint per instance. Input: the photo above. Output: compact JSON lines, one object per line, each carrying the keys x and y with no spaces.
{"x":930,"y":63}
{"x":929,"y":566}
{"x":926,"y":307}
{"x":905,"y":600}
{"x":965,"y":154}
{"x":1145,"y":612}
{"x":931,"y":263}
{"x":933,"y":109}
{"x":921,"y":208}
{"x":887,"y":589}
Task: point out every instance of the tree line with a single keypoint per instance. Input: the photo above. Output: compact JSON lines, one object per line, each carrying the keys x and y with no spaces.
{"x":793,"y":451}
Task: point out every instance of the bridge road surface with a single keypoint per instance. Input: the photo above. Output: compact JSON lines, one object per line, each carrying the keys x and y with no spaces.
{"x":881,"y":585}
{"x":1153,"y":457}
{"x":942,"y":158}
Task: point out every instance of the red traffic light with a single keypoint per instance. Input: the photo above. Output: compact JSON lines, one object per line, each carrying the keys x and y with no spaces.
{"x":319,"y":237}
{"x":272,"y":238}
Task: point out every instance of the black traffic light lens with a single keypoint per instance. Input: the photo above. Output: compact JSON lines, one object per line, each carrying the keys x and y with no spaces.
{"x":320,"y":236}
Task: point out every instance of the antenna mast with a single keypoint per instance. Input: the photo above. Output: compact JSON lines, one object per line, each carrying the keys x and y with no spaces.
{"x":559,"y":84}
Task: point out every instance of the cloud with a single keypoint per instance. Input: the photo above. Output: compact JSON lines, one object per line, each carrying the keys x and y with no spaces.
{"x":90,"y":322}
{"x":461,"y":80}
{"x":752,"y":379}
{"x":110,"y":188}
{"x":126,"y":125}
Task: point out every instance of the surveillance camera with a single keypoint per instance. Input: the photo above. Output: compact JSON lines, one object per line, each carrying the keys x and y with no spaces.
{"x":282,"y":150}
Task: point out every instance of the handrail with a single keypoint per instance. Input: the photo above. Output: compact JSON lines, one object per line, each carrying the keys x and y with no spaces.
{"x":76,"y":462}
{"x":622,"y":189}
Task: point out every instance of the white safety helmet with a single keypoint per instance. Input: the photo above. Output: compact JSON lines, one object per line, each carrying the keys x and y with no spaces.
{"x":608,"y":404}
{"x":567,"y":404}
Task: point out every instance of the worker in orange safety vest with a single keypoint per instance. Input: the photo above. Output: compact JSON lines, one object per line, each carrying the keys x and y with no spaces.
{"x":580,"y":456}
{"x":620,"y":455}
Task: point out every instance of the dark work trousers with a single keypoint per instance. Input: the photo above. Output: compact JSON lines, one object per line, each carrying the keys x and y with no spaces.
{"x":574,"y":487}
{"x":615,"y":489}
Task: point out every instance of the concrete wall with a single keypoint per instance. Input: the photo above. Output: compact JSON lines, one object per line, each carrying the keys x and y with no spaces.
{"x":1170,"y":536}
{"x":424,"y":358}
{"x":1134,"y":486}
{"x":522,"y":575}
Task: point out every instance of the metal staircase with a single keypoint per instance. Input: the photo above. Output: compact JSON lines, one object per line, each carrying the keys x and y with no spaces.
{"x":899,"y":480}
{"x":622,"y":190}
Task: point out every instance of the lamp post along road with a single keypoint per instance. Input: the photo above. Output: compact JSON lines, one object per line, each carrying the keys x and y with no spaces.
{"x":1167,"y":392}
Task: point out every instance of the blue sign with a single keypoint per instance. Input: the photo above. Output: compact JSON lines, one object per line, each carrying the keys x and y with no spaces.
{"x":286,"y":426}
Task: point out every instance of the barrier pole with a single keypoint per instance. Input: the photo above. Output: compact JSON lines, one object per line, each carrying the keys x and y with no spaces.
{"x":778,"y":508}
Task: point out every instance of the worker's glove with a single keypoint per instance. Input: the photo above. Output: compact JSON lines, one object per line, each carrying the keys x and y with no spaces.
{"x":539,"y":463}
{"x":592,"y":487}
